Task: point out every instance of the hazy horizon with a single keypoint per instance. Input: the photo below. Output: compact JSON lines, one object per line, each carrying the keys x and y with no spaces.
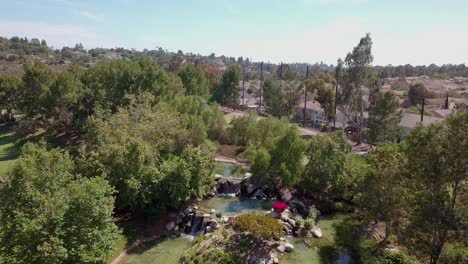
{"x":303,"y":31}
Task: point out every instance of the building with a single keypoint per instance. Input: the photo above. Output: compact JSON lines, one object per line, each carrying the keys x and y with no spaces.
{"x":410,"y":121}
{"x":314,"y":114}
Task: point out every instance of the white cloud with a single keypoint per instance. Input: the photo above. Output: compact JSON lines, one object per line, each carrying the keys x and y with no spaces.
{"x":57,"y":35}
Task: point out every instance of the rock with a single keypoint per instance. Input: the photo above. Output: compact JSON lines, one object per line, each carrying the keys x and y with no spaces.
{"x":249,"y":188}
{"x":259,"y":194}
{"x":275,"y":260}
{"x":172,"y":215}
{"x":288,"y":247}
{"x":248,"y":175}
{"x":281,"y":249}
{"x":317,"y":232}
{"x":170,"y":225}
{"x":188,"y":210}
{"x":206,"y":215}
{"x":288,"y":226}
{"x":213,"y":223}
{"x":285,"y":194}
{"x":282,"y":239}
{"x":212,"y":211}
{"x":292,"y":222}
{"x":218,"y":176}
{"x":274,"y":214}
{"x":195,"y":207}
{"x":284,"y":217}
{"x":208,"y":229}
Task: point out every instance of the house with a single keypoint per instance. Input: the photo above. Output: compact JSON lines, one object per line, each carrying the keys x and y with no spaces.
{"x":443,"y":113}
{"x":314,"y":114}
{"x":409,"y":121}
{"x":453,"y":102}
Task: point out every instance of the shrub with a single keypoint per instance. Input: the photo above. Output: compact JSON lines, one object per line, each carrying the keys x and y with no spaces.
{"x":452,"y":254}
{"x":260,"y":226}
{"x":308,"y":224}
{"x":219,"y":214}
{"x":299,"y":220}
{"x":313,"y":213}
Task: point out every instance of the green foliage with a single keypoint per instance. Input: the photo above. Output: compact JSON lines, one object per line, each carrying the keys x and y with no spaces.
{"x":249,"y":130}
{"x":219,"y":215}
{"x":51,"y":215}
{"x":146,"y":153}
{"x":283,"y":160}
{"x":437,"y":162}
{"x":416,"y":93}
{"x":384,"y":117}
{"x":227,"y":93}
{"x":326,"y":170}
{"x":383,"y":188}
{"x":260,"y":226}
{"x":308,"y":224}
{"x":313,"y":214}
{"x":454,"y":255}
{"x":9,"y":95}
{"x":194,"y":81}
{"x":274,"y":97}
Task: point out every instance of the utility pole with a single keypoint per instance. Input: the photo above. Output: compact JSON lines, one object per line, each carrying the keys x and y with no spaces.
{"x":305,"y":97}
{"x":243,"y":87}
{"x":446,"y":102}
{"x":422,"y":110}
{"x":261,"y":87}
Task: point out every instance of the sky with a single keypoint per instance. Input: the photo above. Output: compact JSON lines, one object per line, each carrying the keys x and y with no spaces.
{"x":418,"y":32}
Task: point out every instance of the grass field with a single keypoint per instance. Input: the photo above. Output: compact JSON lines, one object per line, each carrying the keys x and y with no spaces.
{"x":9,"y":149}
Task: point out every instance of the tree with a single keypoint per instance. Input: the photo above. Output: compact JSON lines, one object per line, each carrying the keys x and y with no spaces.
{"x":274,"y":98}
{"x":37,"y":79}
{"x":384,"y":117}
{"x":194,"y":81}
{"x":383,"y":188}
{"x":9,"y":95}
{"x":325,"y":172}
{"x":228,"y":91}
{"x":63,"y":96}
{"x":285,"y":160}
{"x":416,"y":93}
{"x":50,"y":215}
{"x":357,"y":65}
{"x":438,"y":164}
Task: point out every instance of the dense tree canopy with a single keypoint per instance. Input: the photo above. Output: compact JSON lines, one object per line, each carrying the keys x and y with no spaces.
{"x":51,"y":215}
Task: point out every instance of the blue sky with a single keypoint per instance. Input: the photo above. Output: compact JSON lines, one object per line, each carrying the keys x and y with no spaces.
{"x":415,"y":32}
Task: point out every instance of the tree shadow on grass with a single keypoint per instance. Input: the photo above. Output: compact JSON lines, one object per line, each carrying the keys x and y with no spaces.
{"x":348,"y":237}
{"x":10,"y":148}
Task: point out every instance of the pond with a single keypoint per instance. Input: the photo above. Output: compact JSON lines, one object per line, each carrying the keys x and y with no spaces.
{"x":169,"y":251}
{"x":225,"y":169}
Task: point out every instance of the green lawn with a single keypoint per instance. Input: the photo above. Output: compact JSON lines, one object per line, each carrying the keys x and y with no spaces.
{"x":129,"y":235}
{"x":9,"y":149}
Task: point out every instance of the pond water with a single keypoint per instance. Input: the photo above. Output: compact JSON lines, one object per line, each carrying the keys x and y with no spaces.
{"x":225,"y":169}
{"x":170,"y":250}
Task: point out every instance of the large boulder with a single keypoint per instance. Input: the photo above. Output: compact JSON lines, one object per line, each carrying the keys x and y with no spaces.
{"x":274,"y":214}
{"x":317,"y":232}
{"x":288,"y":247}
{"x":281,"y":249}
{"x":170,"y":225}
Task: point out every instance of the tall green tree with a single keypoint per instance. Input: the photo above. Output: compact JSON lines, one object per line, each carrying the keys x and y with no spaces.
{"x":383,"y":189}
{"x":37,"y":79}
{"x":438,"y":169}
{"x":274,"y":98}
{"x":194,"y":81}
{"x":50,"y":215}
{"x":384,"y":116}
{"x":357,"y":64}
{"x":9,"y":95}
{"x":325,"y":171}
{"x":227,"y":93}
{"x":416,"y":93}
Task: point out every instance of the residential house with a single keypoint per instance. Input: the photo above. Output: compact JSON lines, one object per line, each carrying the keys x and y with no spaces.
{"x":409,"y":121}
{"x":314,"y":114}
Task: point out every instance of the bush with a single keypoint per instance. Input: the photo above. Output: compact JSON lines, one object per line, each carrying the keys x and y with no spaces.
{"x":454,"y":255}
{"x":219,"y":215}
{"x":308,"y":224}
{"x":260,"y":226}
